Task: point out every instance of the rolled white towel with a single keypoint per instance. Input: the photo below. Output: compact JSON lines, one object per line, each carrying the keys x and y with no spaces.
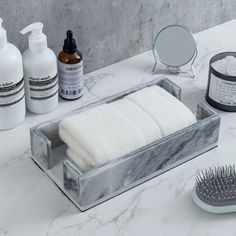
{"x":145,"y":123}
{"x":160,"y":109}
{"x":100,"y":134}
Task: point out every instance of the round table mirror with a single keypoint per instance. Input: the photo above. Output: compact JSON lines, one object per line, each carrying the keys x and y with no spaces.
{"x":174,"y":46}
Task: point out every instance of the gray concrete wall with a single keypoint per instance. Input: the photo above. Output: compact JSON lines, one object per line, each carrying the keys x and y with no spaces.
{"x":110,"y":30}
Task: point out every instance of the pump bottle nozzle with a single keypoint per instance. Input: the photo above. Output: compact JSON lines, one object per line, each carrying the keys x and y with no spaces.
{"x":37,"y":39}
{"x":35,"y":29}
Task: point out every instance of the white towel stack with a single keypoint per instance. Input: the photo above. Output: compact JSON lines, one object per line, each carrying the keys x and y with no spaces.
{"x":108,"y":131}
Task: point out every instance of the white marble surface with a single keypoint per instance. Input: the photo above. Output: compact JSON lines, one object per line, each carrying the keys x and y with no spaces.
{"x":30,"y":204}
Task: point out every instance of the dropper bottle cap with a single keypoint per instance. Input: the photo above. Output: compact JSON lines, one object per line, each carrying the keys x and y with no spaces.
{"x":3,"y":35}
{"x":69,"y":43}
{"x":37,"y":39}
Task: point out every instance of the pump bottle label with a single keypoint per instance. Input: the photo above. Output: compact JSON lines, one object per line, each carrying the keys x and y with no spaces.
{"x":70,"y":80}
{"x":43,"y":88}
{"x":11,"y":93}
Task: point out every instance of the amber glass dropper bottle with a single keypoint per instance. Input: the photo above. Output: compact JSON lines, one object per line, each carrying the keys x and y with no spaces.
{"x":70,"y":69}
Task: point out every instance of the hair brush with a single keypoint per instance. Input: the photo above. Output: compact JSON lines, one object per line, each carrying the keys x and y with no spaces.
{"x":215,"y":190}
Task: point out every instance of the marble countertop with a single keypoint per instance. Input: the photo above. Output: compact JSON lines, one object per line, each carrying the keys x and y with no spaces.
{"x":31,"y":204}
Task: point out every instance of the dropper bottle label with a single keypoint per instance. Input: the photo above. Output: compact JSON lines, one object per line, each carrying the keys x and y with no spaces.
{"x":70,"y":69}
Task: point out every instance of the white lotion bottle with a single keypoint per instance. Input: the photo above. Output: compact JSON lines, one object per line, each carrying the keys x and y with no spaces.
{"x":12,"y":94}
{"x":40,"y":72}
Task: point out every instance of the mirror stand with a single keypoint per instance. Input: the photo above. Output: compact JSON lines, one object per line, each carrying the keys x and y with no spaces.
{"x":175,"y":70}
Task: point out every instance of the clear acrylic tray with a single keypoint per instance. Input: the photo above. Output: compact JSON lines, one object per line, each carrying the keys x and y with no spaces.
{"x":88,"y":189}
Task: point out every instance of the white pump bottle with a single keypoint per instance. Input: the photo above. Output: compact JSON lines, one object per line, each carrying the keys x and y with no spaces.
{"x":12,"y":95}
{"x":40,"y":72}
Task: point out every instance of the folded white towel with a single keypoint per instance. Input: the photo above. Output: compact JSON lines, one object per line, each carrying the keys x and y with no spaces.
{"x":147,"y":126}
{"x":82,"y":163}
{"x":160,"y":109}
{"x":103,"y":133}
{"x":182,"y":111}
{"x":100,"y":134}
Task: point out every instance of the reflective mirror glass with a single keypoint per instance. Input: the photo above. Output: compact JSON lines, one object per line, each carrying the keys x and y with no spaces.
{"x":174,"y":46}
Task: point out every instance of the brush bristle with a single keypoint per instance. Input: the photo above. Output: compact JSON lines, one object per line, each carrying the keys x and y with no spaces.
{"x":217,"y":186}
